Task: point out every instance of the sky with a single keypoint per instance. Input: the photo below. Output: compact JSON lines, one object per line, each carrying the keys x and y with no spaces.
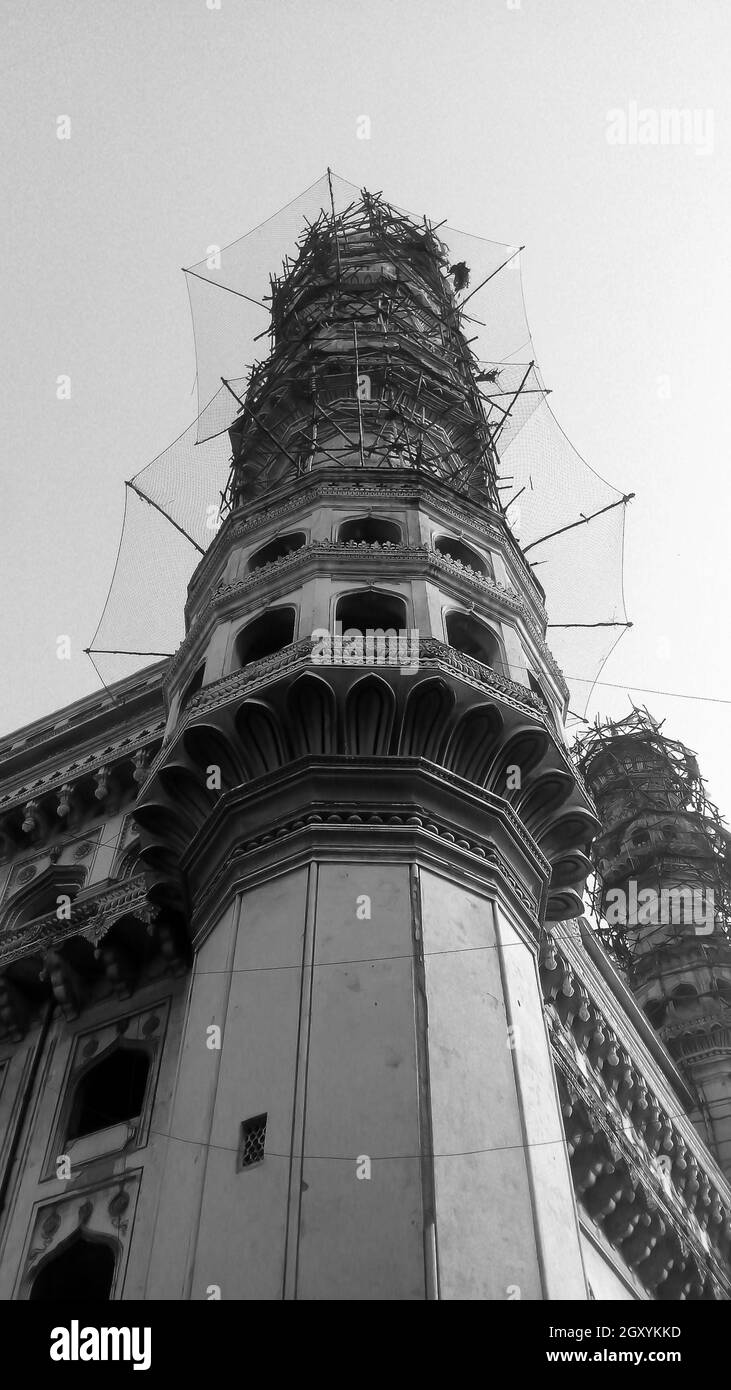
{"x":533,"y":123}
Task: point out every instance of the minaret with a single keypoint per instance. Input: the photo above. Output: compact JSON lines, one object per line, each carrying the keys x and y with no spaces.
{"x":365,"y":807}
{"x":663,"y":880}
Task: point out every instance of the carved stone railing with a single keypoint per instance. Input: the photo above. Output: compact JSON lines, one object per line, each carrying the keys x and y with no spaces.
{"x":432,"y":653}
{"x":638,"y":1167}
{"x":91,"y":918}
{"x":504,"y":596}
{"x":239,"y":529}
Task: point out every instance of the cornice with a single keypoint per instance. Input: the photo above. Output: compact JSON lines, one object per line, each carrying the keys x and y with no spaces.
{"x":331,"y":832}
{"x":235,"y":528}
{"x":433,"y":656}
{"x":93,"y":913}
{"x":120,"y":703}
{"x":81,"y":767}
{"x":417,"y":560}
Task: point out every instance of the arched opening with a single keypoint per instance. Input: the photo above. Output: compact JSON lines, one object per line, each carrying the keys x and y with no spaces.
{"x":41,"y":896}
{"x":276,"y":550}
{"x":266,"y":635}
{"x":473,"y":638}
{"x":83,"y":1271}
{"x":655,"y":1011}
{"x":371,"y":610}
{"x":685,"y":992}
{"x":192,"y":688}
{"x":110,"y":1092}
{"x":453,"y":549}
{"x":685,"y":1000}
{"x":374,"y":530}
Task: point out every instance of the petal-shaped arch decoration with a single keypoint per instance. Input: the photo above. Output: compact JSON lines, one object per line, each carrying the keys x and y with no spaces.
{"x":472,"y":746}
{"x":369,"y":714}
{"x":312,"y":710}
{"x":543,"y":795}
{"x":263,"y":741}
{"x":571,"y":870}
{"x":188,"y":787}
{"x":523,"y":750}
{"x":429,"y":707}
{"x":210,"y":746}
{"x":573,"y":830}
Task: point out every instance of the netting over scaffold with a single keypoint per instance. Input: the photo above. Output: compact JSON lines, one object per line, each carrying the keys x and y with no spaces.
{"x":643,"y":779}
{"x":568,"y":520}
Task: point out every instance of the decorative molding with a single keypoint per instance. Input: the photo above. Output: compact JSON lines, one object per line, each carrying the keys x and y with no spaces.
{"x":91,"y":917}
{"x":333,"y":818}
{"x":619,"y":1103}
{"x":419,"y":491}
{"x":104,"y":1212}
{"x":434,"y":563}
{"x":93,"y":763}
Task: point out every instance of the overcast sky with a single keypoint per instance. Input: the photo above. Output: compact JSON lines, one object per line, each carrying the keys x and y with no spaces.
{"x":522,"y":122}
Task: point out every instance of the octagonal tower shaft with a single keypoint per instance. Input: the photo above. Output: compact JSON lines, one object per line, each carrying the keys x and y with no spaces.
{"x":664,"y":891}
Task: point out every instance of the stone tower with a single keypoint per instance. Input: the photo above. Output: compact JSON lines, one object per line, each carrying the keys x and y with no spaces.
{"x":365,"y":808}
{"x":297,"y":1000}
{"x":663,"y":879}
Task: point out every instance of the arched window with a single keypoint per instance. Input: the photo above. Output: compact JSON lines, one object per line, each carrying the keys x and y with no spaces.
{"x":192,"y":688}
{"x":110,"y":1092}
{"x":453,"y":549}
{"x":474,"y":638}
{"x":83,"y":1270}
{"x":685,"y":992}
{"x":41,"y":896}
{"x":371,"y":610}
{"x":276,"y":550}
{"x":655,"y":1011}
{"x":685,"y":1000}
{"x":371,"y":529}
{"x":266,"y":635}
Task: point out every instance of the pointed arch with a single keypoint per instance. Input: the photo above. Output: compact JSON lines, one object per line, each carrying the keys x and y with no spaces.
{"x":209,"y":746}
{"x":472,"y":745}
{"x":82,"y":1268}
{"x":429,"y":707}
{"x":264,"y":636}
{"x":476,"y":639}
{"x":262,"y":740}
{"x":524,"y":750}
{"x":370,"y":708}
{"x":110,"y":1090}
{"x":453,"y":549}
{"x":275,"y":550}
{"x":312,"y":710}
{"x":541,"y":797}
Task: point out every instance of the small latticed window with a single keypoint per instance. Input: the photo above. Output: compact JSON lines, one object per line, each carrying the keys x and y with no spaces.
{"x":251,"y":1141}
